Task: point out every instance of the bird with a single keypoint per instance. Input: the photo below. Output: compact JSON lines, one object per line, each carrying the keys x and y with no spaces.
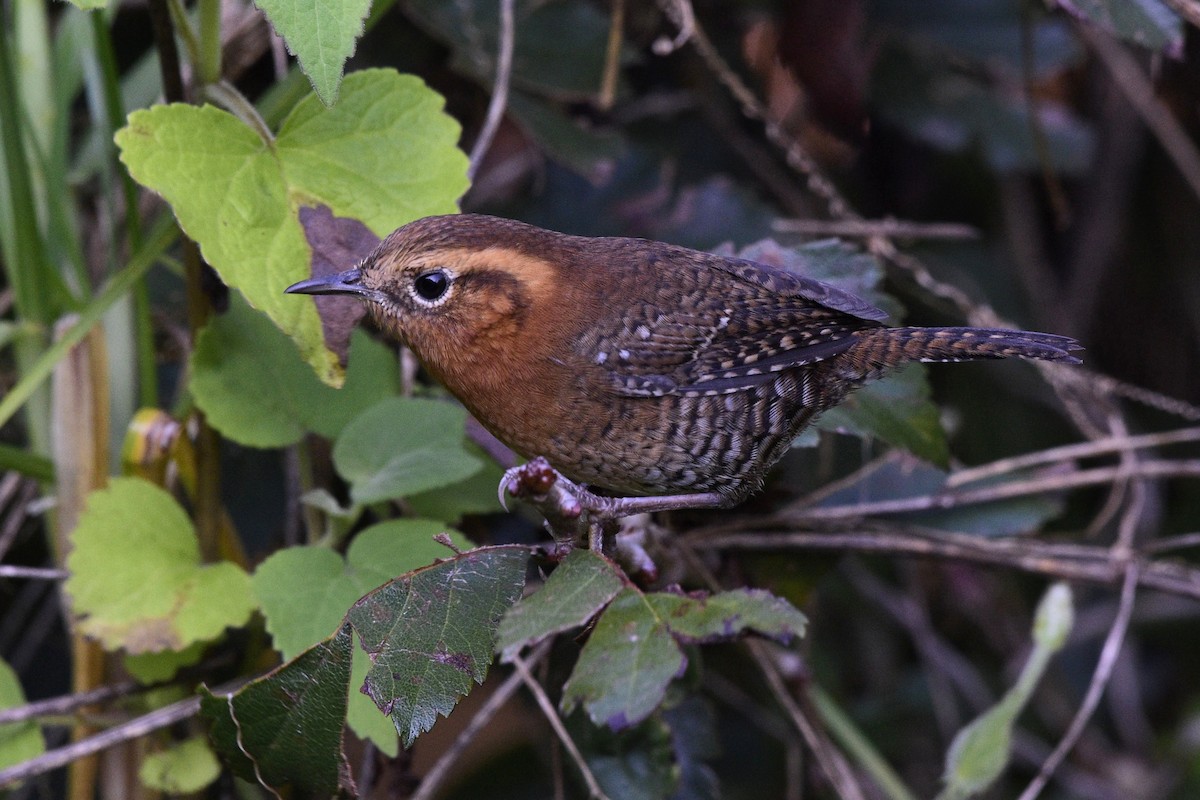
{"x":655,"y":376}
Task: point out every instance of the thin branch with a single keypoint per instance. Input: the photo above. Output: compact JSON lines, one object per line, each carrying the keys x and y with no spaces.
{"x":955,"y":499}
{"x":499,"y":101}
{"x":1080,"y":563}
{"x":1095,"y":690}
{"x":33,"y":573}
{"x":867,"y":228}
{"x":66,"y":703}
{"x":1070,"y":452}
{"x":133,"y":729}
{"x":551,"y":714}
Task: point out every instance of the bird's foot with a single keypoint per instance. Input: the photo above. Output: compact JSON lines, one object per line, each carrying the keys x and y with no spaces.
{"x":563,"y":503}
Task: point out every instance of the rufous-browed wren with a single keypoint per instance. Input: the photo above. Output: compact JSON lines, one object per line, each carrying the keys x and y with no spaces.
{"x":637,"y":367}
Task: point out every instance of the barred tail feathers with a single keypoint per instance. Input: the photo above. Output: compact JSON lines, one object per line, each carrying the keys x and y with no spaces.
{"x":889,"y":347}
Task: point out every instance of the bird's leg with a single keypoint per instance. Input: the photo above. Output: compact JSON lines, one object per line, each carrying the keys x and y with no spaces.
{"x":562,"y":502}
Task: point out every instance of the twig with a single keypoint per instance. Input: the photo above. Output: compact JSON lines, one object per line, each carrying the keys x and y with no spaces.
{"x":1095,"y":690}
{"x":1139,"y":91}
{"x":433,"y":779}
{"x":1081,"y":563}
{"x":33,"y":573}
{"x":1096,"y":447}
{"x":954,"y":499}
{"x":551,"y":714}
{"x":66,"y":703}
{"x":133,"y":729}
{"x":867,"y":228}
{"x":499,"y":101}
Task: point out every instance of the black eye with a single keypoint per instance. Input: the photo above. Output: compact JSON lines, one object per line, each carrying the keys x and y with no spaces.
{"x":432,"y":285}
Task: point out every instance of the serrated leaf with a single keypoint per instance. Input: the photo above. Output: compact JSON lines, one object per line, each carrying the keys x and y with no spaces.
{"x":430,"y":633}
{"x":386,"y":154}
{"x":623,"y":672}
{"x":305,"y":593}
{"x":577,"y":589}
{"x":897,"y":410}
{"x":136,"y":576}
{"x":19,"y":741}
{"x":722,"y":616}
{"x":286,"y":727}
{"x":320,"y":35}
{"x":634,"y":651}
{"x":402,"y":446}
{"x":183,"y":768}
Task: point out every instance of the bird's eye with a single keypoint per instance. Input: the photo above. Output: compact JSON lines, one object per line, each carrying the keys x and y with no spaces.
{"x":431,"y":286}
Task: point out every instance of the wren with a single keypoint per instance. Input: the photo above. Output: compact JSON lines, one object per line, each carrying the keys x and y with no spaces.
{"x":668,"y":376}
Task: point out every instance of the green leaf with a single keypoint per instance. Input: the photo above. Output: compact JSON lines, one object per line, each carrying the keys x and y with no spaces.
{"x":474,"y":495}
{"x":154,"y":667}
{"x":431,"y":632}
{"x":136,"y":576}
{"x":980,"y":751}
{"x":320,"y":35}
{"x":386,"y":155}
{"x":574,"y":593}
{"x":306,"y":591}
{"x":19,"y":741}
{"x":183,"y":768}
{"x":896,"y":410}
{"x":286,"y":727}
{"x":402,"y":446}
{"x":623,"y":672}
{"x":249,"y":379}
{"x":372,"y":374}
{"x":634,"y":651}
{"x":720,"y":617}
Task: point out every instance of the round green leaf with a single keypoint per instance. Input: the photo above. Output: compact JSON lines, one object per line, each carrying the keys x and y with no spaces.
{"x":402,"y":446}
{"x":136,"y":576}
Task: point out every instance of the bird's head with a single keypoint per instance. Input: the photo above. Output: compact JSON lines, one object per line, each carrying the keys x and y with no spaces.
{"x":454,"y":288}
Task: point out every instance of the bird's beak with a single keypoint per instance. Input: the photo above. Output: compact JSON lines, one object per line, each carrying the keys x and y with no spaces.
{"x":348,"y":282}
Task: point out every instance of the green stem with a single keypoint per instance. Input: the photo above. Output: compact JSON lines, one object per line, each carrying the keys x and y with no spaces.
{"x":858,"y":746}
{"x":208,"y":65}
{"x":29,"y":464}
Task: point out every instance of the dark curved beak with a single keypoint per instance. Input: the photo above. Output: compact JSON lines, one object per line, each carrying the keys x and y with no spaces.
{"x":348,"y":282}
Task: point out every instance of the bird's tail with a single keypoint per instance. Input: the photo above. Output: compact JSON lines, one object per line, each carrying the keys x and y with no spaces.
{"x":889,"y":347}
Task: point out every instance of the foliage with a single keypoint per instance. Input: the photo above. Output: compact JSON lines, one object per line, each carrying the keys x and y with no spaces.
{"x":268,"y":509}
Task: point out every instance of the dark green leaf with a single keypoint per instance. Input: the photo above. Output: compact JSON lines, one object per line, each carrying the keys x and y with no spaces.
{"x":286,"y":727}
{"x":431,"y":632}
{"x":624,"y":670}
{"x":897,"y":410}
{"x":575,"y":592}
{"x":723,"y":616}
